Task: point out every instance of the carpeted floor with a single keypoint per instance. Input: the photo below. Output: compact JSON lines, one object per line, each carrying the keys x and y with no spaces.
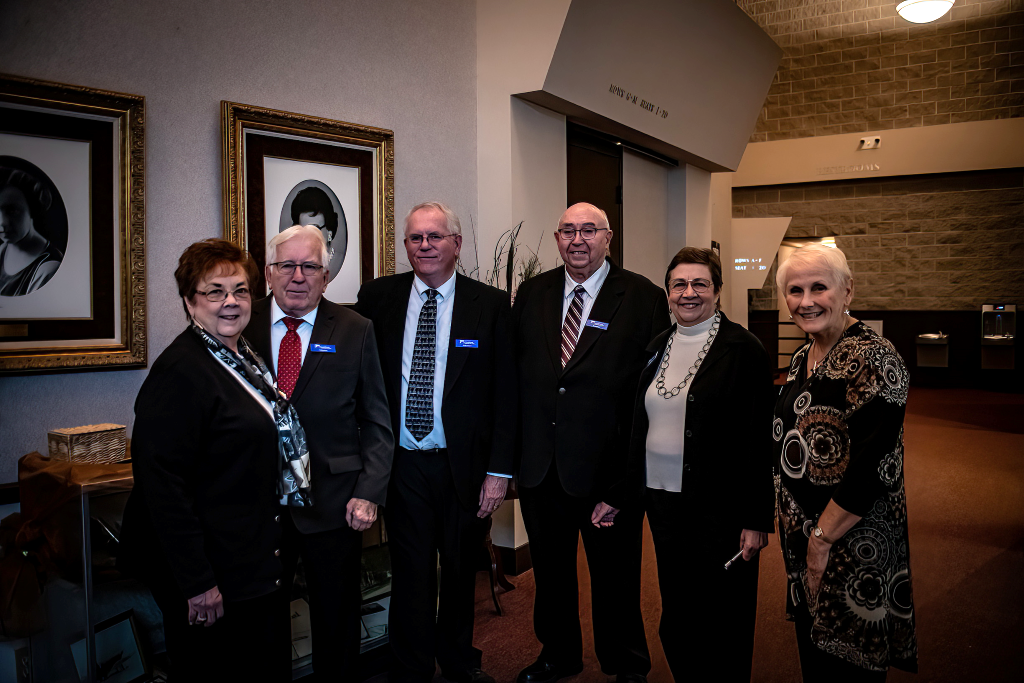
{"x":964,"y":469}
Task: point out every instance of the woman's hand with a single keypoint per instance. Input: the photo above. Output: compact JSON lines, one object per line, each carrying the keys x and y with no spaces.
{"x":751,"y":542}
{"x":817,"y":559}
{"x":205,"y":609}
{"x":603,"y":515}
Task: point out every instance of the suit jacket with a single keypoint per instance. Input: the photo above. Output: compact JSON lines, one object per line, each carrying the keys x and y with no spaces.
{"x":727,"y":444}
{"x":205,"y":459}
{"x":580,"y":416}
{"x":479,"y":399}
{"x":341,"y":404}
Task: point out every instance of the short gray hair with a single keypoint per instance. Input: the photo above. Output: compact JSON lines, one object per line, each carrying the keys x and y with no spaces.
{"x":452,"y":220}
{"x":310,"y":231}
{"x":830,"y":259}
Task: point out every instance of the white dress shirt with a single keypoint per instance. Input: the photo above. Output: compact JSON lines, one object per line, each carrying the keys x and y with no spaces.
{"x":278,"y":329}
{"x":445,"y":303}
{"x":593,"y":285}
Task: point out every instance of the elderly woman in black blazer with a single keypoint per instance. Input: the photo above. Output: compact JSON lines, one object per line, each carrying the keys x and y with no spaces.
{"x":216,"y":451}
{"x":701,"y":428}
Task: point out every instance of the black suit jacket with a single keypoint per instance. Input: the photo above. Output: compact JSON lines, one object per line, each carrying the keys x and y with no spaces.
{"x":341,"y":404}
{"x":205,"y":460}
{"x":727,"y":444}
{"x":479,"y":399}
{"x":581,"y":416}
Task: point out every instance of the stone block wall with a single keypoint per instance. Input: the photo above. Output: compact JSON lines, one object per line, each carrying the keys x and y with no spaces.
{"x":851,"y":66}
{"x":934,"y":242}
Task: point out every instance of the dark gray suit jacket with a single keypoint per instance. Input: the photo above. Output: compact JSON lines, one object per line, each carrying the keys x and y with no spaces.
{"x":343,"y":408}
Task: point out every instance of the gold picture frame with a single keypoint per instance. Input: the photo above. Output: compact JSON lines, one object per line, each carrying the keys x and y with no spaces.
{"x":271,"y":159}
{"x":77,"y":156}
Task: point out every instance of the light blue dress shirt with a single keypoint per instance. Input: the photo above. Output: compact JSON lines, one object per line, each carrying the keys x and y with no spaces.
{"x":278,"y":329}
{"x":593,"y":285}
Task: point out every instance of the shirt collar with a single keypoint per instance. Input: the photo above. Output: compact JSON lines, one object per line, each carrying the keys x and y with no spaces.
{"x":444,"y":291}
{"x":592,"y":284}
{"x":276,"y":314}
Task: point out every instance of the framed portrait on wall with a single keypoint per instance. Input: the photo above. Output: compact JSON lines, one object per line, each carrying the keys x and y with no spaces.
{"x":283,"y":169}
{"x":72,"y":227}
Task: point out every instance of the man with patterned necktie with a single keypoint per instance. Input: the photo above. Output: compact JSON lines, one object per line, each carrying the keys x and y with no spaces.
{"x":325,"y":360}
{"x":580,"y":334}
{"x":446,"y":354}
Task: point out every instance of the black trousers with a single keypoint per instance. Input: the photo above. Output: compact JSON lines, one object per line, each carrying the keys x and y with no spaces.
{"x":251,"y":642}
{"x":331,"y":563}
{"x":818,"y":666}
{"x":705,"y":609}
{"x":425,"y":520}
{"x":554,"y":521}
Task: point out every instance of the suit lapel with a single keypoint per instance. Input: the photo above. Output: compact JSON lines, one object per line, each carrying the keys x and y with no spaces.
{"x":323,"y":329}
{"x":391,"y":334}
{"x":257,"y":332}
{"x":465,"y":320}
{"x":553,"y":299}
{"x":607,"y":303}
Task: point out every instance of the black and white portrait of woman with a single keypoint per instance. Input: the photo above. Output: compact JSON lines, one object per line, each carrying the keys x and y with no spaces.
{"x":312,"y":202}
{"x":33,"y":227}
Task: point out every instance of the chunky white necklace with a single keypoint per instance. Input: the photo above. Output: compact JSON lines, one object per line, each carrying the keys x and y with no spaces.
{"x":671,"y":393}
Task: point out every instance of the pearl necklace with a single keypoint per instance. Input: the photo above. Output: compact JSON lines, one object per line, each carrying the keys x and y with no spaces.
{"x":671,"y":393}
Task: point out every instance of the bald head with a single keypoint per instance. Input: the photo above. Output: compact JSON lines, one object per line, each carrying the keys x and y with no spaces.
{"x":582,"y":255}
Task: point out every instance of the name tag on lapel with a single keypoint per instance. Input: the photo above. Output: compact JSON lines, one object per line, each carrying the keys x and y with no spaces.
{"x":598,"y":324}
{"x":467,"y":343}
{"x":321,"y":348}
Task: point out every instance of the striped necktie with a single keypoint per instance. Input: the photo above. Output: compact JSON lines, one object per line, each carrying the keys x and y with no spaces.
{"x":571,"y":326}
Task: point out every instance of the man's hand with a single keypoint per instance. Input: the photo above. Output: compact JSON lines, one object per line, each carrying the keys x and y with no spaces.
{"x":491,"y":494}
{"x":817,"y":559}
{"x":205,"y":609}
{"x":360,"y":514}
{"x":603,"y":515}
{"x":751,"y":542}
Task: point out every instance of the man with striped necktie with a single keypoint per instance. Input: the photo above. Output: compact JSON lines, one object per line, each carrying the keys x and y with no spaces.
{"x":580,"y":334}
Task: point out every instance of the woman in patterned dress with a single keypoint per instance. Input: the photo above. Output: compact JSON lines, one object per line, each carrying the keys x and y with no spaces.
{"x":842,"y":509}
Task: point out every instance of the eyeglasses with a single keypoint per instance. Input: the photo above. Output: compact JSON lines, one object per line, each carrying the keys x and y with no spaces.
{"x":218,"y":295}
{"x":588,"y":233}
{"x":433,"y":239}
{"x":698,"y":286}
{"x":308,"y":269}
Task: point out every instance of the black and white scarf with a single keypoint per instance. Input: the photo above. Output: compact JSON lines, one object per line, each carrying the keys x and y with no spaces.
{"x":293,"y":481}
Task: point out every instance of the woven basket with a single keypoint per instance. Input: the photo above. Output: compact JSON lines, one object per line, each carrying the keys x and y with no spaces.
{"x":93,"y":444}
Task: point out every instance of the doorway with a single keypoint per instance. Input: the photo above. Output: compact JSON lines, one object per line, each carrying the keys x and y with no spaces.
{"x":594,"y":175}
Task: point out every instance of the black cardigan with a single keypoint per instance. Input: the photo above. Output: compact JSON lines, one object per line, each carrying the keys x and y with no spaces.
{"x":204,"y":508}
{"x":727,"y":452}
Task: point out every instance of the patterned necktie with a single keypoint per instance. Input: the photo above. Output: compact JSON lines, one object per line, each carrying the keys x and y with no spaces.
{"x":419,"y":399}
{"x":289,"y":357}
{"x":571,"y":326}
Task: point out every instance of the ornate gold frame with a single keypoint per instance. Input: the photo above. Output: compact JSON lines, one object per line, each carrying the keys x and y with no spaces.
{"x":129,"y":111}
{"x":237,"y":119}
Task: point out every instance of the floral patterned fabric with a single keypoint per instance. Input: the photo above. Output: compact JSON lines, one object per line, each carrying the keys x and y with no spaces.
{"x":838,"y":435}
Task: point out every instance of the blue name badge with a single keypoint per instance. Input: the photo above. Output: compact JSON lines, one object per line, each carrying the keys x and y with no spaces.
{"x":467,"y":344}
{"x":321,"y":348}
{"x":599,"y":325}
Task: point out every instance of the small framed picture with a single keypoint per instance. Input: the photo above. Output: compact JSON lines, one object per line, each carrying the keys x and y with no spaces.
{"x":118,"y":655}
{"x":283,"y":169}
{"x":73,"y":233}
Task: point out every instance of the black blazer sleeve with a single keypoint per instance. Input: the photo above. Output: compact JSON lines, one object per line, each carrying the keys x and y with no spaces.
{"x":376,"y":442}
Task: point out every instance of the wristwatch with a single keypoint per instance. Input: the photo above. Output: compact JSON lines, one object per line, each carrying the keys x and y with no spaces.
{"x":820,"y":535}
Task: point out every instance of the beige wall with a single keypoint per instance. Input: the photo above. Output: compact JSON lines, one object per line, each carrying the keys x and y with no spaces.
{"x":384,"y":63}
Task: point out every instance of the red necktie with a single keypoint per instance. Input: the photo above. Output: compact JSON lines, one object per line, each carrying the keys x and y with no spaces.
{"x":289,"y":357}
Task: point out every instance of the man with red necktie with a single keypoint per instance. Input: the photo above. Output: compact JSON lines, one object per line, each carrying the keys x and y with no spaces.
{"x":325,"y":359}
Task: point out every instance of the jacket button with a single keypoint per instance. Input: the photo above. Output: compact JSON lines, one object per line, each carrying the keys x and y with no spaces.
{"x":277,"y":518}
{"x":689,"y":433}
{"x":278,"y":582}
{"x":689,"y":397}
{"x":561,"y":390}
{"x":686,"y":468}
{"x":277,"y":553}
{"x":552,"y":424}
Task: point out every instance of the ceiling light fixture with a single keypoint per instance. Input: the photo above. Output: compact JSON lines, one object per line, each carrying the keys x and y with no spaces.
{"x":923,"y":11}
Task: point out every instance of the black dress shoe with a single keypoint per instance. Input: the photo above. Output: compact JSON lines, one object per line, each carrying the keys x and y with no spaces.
{"x":545,"y":672}
{"x":631,"y":678}
{"x":472,"y":676}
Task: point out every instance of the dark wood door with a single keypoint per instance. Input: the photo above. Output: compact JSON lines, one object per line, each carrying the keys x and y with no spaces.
{"x":594,"y":175}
